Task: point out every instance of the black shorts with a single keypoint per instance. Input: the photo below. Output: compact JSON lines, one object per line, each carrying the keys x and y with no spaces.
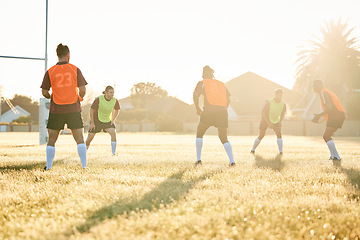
{"x":58,"y":121}
{"x":216,"y":119}
{"x":101,"y":126}
{"x":263,"y":125}
{"x":335,"y":122}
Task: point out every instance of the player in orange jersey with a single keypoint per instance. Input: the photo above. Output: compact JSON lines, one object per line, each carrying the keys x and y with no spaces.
{"x":214,"y":113}
{"x":334,"y":114}
{"x":68,"y":88}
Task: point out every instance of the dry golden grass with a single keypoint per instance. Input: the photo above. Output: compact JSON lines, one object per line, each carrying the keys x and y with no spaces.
{"x":151,"y":190}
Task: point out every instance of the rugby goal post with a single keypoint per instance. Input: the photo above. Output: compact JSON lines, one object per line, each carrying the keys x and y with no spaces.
{"x":44,"y":103}
{"x":44,"y":106}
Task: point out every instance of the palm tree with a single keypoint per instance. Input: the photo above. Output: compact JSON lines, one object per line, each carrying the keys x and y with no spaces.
{"x":333,"y":58}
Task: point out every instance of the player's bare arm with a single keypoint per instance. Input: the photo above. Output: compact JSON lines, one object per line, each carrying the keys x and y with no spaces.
{"x":46,"y":93}
{"x":283,"y":113}
{"x":92,"y":123}
{"x":196,"y":102}
{"x":114,"y":116}
{"x":327,"y":109}
{"x":82,"y":91}
{"x":265,"y":114}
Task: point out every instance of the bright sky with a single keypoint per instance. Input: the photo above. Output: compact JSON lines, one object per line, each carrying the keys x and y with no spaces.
{"x":162,"y":41}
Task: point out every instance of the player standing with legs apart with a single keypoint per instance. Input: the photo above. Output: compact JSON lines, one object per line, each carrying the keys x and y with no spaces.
{"x":272,"y":115}
{"x":214,"y":113}
{"x":68,"y":88}
{"x":334,"y":114}
{"x":103,"y":113}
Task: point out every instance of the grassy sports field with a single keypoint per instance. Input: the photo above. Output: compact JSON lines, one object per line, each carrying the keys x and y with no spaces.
{"x":151,"y":190}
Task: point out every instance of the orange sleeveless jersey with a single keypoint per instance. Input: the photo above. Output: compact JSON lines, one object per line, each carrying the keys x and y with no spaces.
{"x":215,"y":92}
{"x":63,"y":80}
{"x":335,"y":100}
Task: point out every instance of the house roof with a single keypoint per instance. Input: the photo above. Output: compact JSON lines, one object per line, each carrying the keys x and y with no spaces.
{"x":125,"y":100}
{"x":250,"y":91}
{"x":13,"y":114}
{"x":169,"y":105}
{"x":125,"y":103}
{"x":176,"y":108}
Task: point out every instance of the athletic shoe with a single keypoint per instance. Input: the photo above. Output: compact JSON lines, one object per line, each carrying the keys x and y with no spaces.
{"x":232,"y":164}
{"x":252,"y":152}
{"x":197,"y":163}
{"x":334,"y":159}
{"x":45,"y":168}
{"x":281,"y":153}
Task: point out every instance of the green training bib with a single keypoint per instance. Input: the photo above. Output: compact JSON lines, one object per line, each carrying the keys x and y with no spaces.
{"x":275,"y":110}
{"x":105,"y":109}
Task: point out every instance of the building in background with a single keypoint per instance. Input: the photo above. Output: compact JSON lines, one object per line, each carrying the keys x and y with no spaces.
{"x":13,"y":114}
{"x":249,"y":92}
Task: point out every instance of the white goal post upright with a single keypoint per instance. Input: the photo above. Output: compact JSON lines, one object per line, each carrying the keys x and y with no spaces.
{"x":43,"y":119}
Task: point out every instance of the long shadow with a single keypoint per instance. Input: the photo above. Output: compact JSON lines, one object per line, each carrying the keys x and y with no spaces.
{"x":275,"y":164}
{"x":20,"y":167}
{"x":352,"y":174}
{"x":170,"y":190}
{"x":17,"y":146}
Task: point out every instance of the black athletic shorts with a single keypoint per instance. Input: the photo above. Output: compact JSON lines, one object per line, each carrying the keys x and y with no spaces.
{"x":335,"y":122}
{"x":217,"y":119}
{"x":101,"y":126}
{"x":263,"y":125}
{"x":58,"y":121}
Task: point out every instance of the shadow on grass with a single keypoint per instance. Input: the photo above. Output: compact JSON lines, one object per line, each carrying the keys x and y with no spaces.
{"x":169,"y":191}
{"x":20,"y":167}
{"x":17,"y":146}
{"x":352,"y":174}
{"x":275,"y":164}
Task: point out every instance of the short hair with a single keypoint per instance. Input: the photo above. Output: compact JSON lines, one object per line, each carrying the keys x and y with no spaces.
{"x":278,"y":90}
{"x":107,"y":89}
{"x":208,"y":72}
{"x":318,"y":81}
{"x":62,"y":50}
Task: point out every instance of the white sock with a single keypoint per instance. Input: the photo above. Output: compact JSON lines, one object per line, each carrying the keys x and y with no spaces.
{"x":229,"y":152}
{"x":280,"y":144}
{"x":332,"y":148}
{"x":113,"y":147}
{"x":256,"y":143}
{"x":199,"y":144}
{"x":81,"y":148}
{"x":50,"y":154}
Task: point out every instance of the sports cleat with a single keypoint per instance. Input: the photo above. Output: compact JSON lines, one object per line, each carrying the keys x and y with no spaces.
{"x":281,"y":153}
{"x":252,"y":152}
{"x":232,"y":164}
{"x":334,"y":159}
{"x":197,"y":163}
{"x":45,"y":169}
